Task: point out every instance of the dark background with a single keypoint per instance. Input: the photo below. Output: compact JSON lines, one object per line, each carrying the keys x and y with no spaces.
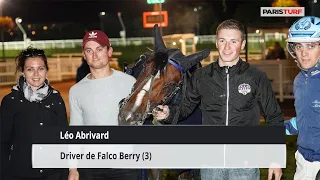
{"x":70,"y":19}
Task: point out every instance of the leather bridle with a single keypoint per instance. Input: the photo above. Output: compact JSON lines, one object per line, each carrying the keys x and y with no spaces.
{"x":176,"y":87}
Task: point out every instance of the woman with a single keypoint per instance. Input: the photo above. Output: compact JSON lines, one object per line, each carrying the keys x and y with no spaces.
{"x":32,"y":104}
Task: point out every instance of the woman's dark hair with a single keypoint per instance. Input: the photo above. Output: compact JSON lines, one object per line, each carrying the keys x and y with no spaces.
{"x":27,"y":53}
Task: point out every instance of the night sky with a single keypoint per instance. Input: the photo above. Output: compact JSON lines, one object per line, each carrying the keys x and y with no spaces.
{"x":42,"y":11}
{"x":87,"y":10}
{"x":81,"y":15}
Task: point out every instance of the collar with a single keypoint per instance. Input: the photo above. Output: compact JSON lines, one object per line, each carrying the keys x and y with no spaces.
{"x":19,"y":87}
{"x":312,"y":71}
{"x":238,"y":68}
{"x":22,"y":80}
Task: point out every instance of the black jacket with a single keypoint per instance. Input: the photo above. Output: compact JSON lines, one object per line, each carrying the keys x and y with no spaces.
{"x":230,"y":96}
{"x":20,"y":119}
{"x":83,"y":70}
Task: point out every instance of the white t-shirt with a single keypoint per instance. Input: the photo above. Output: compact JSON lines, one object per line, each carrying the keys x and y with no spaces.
{"x":94,"y":102}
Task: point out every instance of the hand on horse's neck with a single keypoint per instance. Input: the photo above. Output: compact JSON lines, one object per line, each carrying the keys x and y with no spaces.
{"x":100,"y":73}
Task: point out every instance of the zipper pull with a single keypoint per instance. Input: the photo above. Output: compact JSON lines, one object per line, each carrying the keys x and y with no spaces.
{"x":227,"y":69}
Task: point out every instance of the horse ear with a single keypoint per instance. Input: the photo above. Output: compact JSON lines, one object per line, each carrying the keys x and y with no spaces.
{"x":194,"y":59}
{"x":158,"y":41}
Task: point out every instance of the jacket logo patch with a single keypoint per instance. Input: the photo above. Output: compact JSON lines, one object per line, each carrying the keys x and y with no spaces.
{"x":315,"y":72}
{"x":244,"y":88}
{"x":316,"y":104}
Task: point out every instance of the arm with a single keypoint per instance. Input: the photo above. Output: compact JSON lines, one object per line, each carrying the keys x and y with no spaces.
{"x":76,"y":118}
{"x":272,"y":113}
{"x":6,"y":133}
{"x":291,"y":126}
{"x":62,"y":112}
{"x":189,"y":102}
{"x":268,"y":102}
{"x":63,"y":121}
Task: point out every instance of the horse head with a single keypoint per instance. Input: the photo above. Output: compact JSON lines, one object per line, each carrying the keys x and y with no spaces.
{"x":160,"y":78}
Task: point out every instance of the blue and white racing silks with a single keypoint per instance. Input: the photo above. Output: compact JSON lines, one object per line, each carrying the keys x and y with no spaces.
{"x":307,"y":122}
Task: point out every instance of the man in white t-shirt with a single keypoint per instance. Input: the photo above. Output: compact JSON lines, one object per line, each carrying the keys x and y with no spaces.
{"x":94,"y":100}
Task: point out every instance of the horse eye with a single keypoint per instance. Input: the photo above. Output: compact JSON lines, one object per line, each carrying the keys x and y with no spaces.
{"x":129,"y":71}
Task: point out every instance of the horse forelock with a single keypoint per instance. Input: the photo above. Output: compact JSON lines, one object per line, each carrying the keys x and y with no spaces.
{"x":153,"y":90}
{"x":160,"y":61}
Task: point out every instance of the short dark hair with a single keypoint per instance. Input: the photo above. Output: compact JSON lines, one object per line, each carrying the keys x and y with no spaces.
{"x":232,"y":24}
{"x":27,"y":53}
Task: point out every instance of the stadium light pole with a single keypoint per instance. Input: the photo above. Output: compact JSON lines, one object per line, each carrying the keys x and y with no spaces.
{"x":2,"y":33}
{"x":123,"y":32}
{"x":197,"y":11}
{"x":101,"y":14}
{"x":1,"y":4}
{"x":18,"y":21}
{"x":314,"y":5}
{"x":160,"y":9}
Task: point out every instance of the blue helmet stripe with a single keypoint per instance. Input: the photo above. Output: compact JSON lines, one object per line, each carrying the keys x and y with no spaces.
{"x":306,"y":27}
{"x":312,"y":20}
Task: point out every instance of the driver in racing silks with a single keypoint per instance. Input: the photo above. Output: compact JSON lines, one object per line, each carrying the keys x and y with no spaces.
{"x":303,"y":44}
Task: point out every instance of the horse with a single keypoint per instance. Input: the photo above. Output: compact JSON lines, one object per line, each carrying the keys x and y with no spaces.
{"x":136,"y":67}
{"x":161,"y":76}
{"x":195,"y":118}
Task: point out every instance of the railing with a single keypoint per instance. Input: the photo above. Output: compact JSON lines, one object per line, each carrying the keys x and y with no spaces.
{"x":62,"y":67}
{"x":280,"y":72}
{"x":281,"y":77}
{"x":59,"y":69}
{"x":253,"y":38}
{"x":71,"y":43}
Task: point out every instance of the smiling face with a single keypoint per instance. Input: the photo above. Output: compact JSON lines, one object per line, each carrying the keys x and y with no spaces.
{"x":229,"y":43}
{"x":35,"y":72}
{"x":307,"y":54}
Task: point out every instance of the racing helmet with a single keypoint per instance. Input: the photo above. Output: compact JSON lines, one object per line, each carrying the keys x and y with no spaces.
{"x":305,"y":29}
